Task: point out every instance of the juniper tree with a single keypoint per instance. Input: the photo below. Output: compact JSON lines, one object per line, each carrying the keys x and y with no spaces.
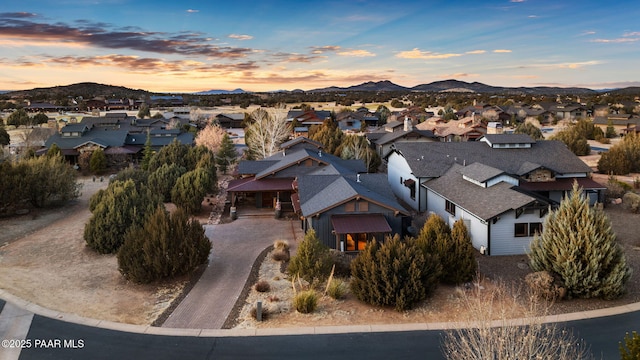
{"x":98,"y":162}
{"x":452,"y":249}
{"x":395,"y":273}
{"x":578,"y":244}
{"x":190,"y":189}
{"x":312,"y":260}
{"x":121,"y":206}
{"x":164,"y":179}
{"x":165,"y":246}
{"x":226,"y":154}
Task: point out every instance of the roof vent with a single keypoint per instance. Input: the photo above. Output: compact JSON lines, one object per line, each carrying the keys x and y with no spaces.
{"x":320,"y":153}
{"x":358,"y":178}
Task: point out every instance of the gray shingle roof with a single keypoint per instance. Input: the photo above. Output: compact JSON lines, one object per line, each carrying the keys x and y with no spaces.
{"x":393,"y":136}
{"x":318,"y":193}
{"x":480,"y":172}
{"x":433,"y":159}
{"x":484,"y":203}
{"x":509,"y":139}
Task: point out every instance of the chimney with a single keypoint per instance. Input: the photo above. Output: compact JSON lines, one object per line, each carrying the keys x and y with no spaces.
{"x":407,"y":124}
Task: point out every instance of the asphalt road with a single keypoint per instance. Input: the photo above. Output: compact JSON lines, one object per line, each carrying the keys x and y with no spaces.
{"x":602,"y":334}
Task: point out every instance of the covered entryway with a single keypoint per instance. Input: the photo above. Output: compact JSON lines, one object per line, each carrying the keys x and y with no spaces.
{"x":353,"y":232}
{"x":262,"y":193}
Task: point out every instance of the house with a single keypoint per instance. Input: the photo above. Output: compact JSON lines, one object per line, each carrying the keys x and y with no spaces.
{"x":384,"y":140}
{"x":230,"y":120}
{"x":117,"y":134}
{"x":497,"y":184}
{"x":333,"y":196}
{"x":349,"y":210}
{"x":622,"y":123}
{"x":268,"y":183}
{"x":465,"y":129}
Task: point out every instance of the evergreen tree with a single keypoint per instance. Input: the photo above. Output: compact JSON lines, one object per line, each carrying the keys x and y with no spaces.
{"x":122,"y":206}
{"x":174,"y":153}
{"x":578,"y":244}
{"x":312,"y":260}
{"x":164,"y":179}
{"x":98,"y":162}
{"x":395,"y":273}
{"x":164,"y":247}
{"x":529,"y":129}
{"x":5,"y":139}
{"x":452,"y":249}
{"x":227,"y":154}
{"x":54,"y":150}
{"x":191,"y":188}
{"x":147,"y":153}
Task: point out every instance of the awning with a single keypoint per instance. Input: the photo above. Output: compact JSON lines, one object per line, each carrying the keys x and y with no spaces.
{"x":360,"y":223}
{"x":253,"y":185}
{"x":409,"y":182}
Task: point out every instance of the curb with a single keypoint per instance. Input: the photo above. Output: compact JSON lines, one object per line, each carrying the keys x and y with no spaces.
{"x":317,"y":330}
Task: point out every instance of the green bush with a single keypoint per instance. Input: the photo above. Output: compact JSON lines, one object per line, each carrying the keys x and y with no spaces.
{"x":190,"y":189}
{"x":578,"y":245}
{"x":630,"y":349}
{"x":98,"y":162}
{"x":115,"y":210}
{"x":305,"y":302}
{"x":168,"y":245}
{"x":396,"y":273}
{"x":312,"y":261}
{"x":337,"y":289}
{"x":452,"y":249}
{"x":164,"y":179}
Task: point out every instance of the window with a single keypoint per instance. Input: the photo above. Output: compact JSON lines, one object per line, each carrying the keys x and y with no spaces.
{"x":356,"y":242}
{"x":412,"y":192}
{"x":521,"y":229}
{"x":450,"y":207}
{"x":401,"y":182}
{"x":535,"y":228}
{"x":350,"y":206}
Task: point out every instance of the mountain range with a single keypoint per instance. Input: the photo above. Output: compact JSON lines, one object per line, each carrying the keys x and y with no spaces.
{"x":89,"y":90}
{"x":457,"y":86}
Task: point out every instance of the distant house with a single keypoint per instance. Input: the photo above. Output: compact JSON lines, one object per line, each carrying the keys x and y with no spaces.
{"x":622,"y":123}
{"x":501,"y":185}
{"x":465,"y":129}
{"x":383,"y":140}
{"x":118,"y":135}
{"x":230,"y":120}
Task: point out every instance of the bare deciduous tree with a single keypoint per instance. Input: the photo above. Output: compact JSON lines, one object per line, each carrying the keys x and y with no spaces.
{"x":268,"y":130}
{"x":493,"y":333}
{"x":211,"y":137}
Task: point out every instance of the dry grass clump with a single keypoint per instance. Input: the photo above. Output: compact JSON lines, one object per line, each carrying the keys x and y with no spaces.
{"x":262,"y":286}
{"x":306,"y":301}
{"x":337,"y":289}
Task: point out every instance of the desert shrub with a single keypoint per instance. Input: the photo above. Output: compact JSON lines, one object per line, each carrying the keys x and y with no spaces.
{"x":616,"y":188}
{"x":312,"y":261}
{"x":120,"y":207}
{"x":630,"y":349}
{"x":452,"y":248}
{"x":544,"y":285}
{"x":139,"y":176}
{"x":174,"y":153}
{"x":306,"y":301}
{"x":167,"y":245}
{"x":342,"y":263}
{"x":281,"y":245}
{"x":395,"y":273}
{"x":280,"y":255}
{"x":578,"y":245}
{"x":262,"y":286}
{"x":631,"y":202}
{"x":622,"y":158}
{"x":337,"y":289}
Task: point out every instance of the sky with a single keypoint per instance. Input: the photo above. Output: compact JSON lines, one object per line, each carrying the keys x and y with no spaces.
{"x":190,"y":46}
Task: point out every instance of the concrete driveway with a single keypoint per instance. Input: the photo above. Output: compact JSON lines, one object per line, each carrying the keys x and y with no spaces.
{"x":236,"y":246}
